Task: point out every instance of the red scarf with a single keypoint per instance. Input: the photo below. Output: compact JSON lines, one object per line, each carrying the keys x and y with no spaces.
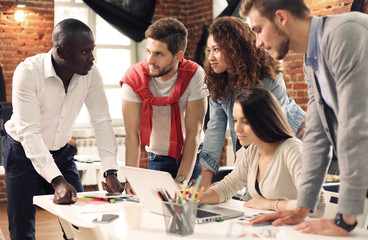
{"x":138,"y":77}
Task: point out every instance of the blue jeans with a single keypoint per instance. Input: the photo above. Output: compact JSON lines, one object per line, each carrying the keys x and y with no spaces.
{"x":171,"y":165}
{"x":23,"y":182}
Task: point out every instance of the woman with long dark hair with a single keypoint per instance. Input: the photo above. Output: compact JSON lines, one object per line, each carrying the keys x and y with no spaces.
{"x":234,"y":63}
{"x":271,"y":165}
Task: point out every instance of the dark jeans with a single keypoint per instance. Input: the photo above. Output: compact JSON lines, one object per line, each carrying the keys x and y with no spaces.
{"x":23,"y":182}
{"x":171,"y":165}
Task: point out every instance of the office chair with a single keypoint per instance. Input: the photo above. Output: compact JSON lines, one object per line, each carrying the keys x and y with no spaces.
{"x":78,"y":229}
{"x":221,"y":173}
{"x":6,"y":110}
{"x":332,"y":208}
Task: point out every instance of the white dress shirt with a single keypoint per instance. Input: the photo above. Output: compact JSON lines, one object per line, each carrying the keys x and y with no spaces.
{"x":44,"y":115}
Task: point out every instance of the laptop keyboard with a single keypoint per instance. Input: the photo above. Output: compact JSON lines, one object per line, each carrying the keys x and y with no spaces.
{"x":204,"y":214}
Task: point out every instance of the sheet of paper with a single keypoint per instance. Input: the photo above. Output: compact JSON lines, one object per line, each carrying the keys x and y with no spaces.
{"x":103,"y":195}
{"x":243,"y":229}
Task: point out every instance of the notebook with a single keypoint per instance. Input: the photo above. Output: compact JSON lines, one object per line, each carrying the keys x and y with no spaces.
{"x":145,"y":182}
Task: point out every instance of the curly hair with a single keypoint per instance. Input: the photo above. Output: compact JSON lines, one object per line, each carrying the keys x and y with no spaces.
{"x":247,"y":64}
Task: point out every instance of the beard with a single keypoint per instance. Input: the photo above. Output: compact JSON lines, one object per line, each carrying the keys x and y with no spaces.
{"x":283,"y":47}
{"x":162,"y":71}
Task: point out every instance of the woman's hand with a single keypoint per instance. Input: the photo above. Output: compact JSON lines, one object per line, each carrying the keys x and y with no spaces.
{"x":209,"y":197}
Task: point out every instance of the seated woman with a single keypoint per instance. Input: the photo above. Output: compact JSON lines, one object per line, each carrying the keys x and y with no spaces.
{"x":233,"y":64}
{"x":271,"y":166}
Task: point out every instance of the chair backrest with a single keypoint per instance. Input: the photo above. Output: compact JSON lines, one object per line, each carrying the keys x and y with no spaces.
{"x":332,"y":208}
{"x":221,"y":173}
{"x":79,"y":229}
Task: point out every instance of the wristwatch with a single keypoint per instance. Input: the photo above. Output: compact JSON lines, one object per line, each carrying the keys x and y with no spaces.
{"x":110,"y":172}
{"x":180,"y":178}
{"x":339,"y":221}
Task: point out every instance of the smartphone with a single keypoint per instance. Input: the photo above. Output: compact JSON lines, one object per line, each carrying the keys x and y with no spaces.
{"x":106,"y":218}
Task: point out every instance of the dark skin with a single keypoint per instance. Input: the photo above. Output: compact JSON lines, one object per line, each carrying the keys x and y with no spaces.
{"x":75,"y":55}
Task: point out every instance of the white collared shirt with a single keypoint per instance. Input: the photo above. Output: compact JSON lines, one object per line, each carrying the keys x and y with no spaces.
{"x":44,"y":115}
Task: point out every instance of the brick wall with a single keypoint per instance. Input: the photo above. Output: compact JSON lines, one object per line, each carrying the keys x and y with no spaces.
{"x":20,"y":40}
{"x":192,"y":13}
{"x":23,"y":39}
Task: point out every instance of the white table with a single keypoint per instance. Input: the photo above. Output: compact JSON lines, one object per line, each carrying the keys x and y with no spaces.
{"x":153,"y":226}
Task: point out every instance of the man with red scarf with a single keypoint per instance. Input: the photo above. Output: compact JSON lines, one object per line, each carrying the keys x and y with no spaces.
{"x":164,"y":104}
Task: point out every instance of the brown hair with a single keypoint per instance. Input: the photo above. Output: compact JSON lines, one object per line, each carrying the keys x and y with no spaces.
{"x":247,"y":64}
{"x":267,"y":8}
{"x":170,"y":31}
{"x":264,"y":114}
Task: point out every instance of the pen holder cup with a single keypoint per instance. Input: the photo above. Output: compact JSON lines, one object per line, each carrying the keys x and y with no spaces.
{"x":180,"y":218}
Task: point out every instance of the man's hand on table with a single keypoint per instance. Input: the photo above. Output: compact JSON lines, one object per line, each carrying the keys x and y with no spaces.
{"x":65,"y":193}
{"x":112,"y":184}
{"x":321,"y":227}
{"x":128,"y":188}
{"x":296,"y":216}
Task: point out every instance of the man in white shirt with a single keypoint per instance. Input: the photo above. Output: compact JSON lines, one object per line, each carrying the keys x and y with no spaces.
{"x":49,"y":90}
{"x":164,"y":104}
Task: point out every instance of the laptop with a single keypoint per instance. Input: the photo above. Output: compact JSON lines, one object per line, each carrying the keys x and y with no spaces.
{"x":145,"y":183}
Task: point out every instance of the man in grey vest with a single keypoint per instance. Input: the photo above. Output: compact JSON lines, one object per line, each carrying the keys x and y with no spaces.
{"x":335,"y":66}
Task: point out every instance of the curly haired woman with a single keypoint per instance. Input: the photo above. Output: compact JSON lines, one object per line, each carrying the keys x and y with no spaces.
{"x":234,"y":63}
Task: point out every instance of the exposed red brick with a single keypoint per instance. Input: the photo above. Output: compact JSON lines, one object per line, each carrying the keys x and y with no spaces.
{"x":20,"y":40}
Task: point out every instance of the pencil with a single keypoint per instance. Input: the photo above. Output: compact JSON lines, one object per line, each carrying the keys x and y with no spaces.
{"x":167,"y":194}
{"x":184,"y":191}
{"x":199,"y":194}
{"x":160,"y":196}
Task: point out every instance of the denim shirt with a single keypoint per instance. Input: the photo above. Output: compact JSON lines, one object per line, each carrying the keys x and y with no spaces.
{"x":221,"y":114}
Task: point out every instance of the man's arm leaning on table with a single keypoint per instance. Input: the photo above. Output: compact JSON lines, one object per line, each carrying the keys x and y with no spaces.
{"x":132,"y":114}
{"x":194,"y":118}
{"x":97,"y":105}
